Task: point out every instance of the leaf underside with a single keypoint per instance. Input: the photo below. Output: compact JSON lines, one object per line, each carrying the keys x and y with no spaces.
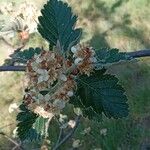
{"x":57,"y":24}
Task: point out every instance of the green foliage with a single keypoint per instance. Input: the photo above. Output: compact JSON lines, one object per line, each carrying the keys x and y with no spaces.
{"x":101,"y":93}
{"x":57,"y":24}
{"x":30,"y":126}
{"x":22,"y":56}
{"x":26,"y":120}
{"x":110,"y":56}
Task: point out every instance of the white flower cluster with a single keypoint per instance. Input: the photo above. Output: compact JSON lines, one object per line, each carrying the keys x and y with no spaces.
{"x":84,"y":58}
{"x":51,"y":78}
{"x":45,"y":72}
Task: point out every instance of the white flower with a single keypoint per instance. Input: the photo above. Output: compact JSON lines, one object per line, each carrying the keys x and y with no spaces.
{"x":37,"y":58}
{"x":103,"y":131}
{"x":63,"y":77}
{"x":62,"y":118}
{"x":44,"y":76}
{"x":72,"y":123}
{"x":93,"y":52}
{"x":40,"y":71}
{"x":12,"y":107}
{"x":42,"y":97}
{"x":78,"y":60}
{"x":76,"y":143}
{"x":78,"y":111}
{"x":15,"y":132}
{"x":35,"y":66}
{"x":74,"y":49}
{"x":47,"y":97}
{"x":59,"y":103}
{"x":52,"y":56}
{"x":70,"y":93}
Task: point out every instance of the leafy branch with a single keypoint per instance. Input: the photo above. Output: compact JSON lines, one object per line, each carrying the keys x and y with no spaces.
{"x":136,"y":54}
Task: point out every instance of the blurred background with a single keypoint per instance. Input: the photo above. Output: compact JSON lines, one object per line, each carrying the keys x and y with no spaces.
{"x":122,"y":24}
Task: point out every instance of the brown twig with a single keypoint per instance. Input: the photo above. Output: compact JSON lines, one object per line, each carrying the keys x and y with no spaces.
{"x":136,"y":54}
{"x":140,"y":53}
{"x":12,"y":68}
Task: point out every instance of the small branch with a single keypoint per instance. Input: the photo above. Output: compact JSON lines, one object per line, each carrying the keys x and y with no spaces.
{"x":140,"y":53}
{"x":77,"y":120}
{"x":12,"y":68}
{"x":60,"y":136}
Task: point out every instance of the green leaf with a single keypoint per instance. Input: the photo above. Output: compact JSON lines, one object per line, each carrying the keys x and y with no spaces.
{"x":22,"y":56}
{"x":26,"y":119}
{"x":57,"y":24}
{"x":101,"y":93}
{"x":30,"y":126}
{"x":109,"y":56}
{"x":88,"y":112}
